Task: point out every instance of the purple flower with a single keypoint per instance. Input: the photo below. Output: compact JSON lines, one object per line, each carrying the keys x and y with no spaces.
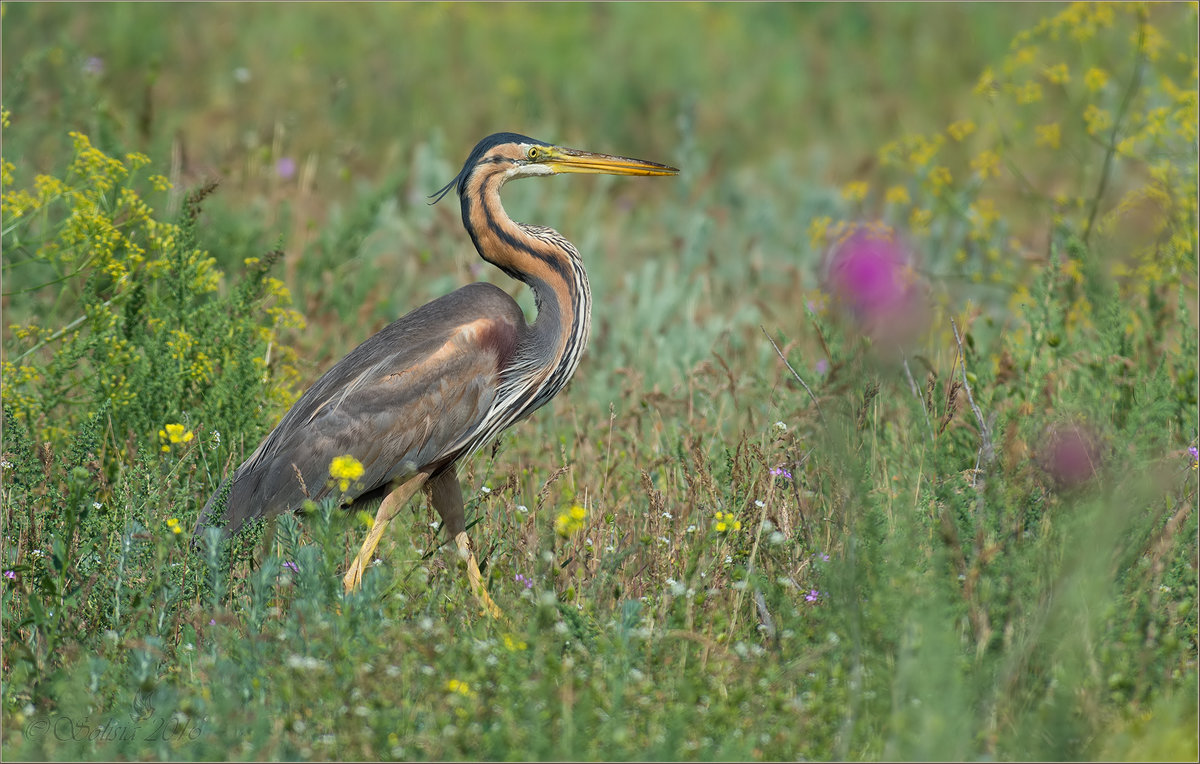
{"x":94,"y":65}
{"x":520,"y":579}
{"x":1195,"y":456}
{"x":872,"y":277}
{"x":781,"y":471}
{"x":812,"y":596}
{"x":292,"y":566}
{"x":285,"y":168}
{"x":822,"y":366}
{"x":1070,"y":455}
{"x":10,"y":575}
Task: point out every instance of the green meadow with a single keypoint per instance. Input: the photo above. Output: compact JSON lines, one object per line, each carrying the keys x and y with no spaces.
{"x":884,"y":445}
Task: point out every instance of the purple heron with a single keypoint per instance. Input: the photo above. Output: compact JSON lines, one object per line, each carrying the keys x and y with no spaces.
{"x":437,"y":384}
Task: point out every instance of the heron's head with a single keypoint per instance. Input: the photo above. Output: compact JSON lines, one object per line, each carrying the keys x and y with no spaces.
{"x":510,"y":156}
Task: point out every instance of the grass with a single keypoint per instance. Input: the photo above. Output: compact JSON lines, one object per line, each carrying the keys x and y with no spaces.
{"x":973,"y":539}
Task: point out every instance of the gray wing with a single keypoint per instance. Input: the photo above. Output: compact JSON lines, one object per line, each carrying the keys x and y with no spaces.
{"x":399,"y":403}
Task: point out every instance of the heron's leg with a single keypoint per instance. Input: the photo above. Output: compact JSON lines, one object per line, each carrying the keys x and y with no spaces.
{"x":391,"y":505}
{"x":446,"y":494}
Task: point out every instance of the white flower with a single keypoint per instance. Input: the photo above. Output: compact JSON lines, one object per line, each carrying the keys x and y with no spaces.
{"x":781,"y":426}
{"x":306,"y":662}
{"x":485,"y":489}
{"x":667,"y":515}
{"x":522,"y":509}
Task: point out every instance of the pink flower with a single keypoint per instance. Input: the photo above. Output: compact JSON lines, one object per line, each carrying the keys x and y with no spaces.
{"x":1070,"y":455}
{"x":872,"y":278}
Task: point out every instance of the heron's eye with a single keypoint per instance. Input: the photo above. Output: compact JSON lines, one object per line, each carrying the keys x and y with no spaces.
{"x":534,"y":152}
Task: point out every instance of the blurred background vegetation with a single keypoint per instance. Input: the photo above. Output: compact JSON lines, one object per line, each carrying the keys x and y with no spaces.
{"x":910,"y":577}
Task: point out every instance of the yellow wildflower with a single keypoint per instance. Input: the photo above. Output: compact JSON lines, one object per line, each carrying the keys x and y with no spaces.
{"x":855,"y":191}
{"x":1095,"y":79}
{"x":982,"y":214}
{"x":897,"y":195}
{"x":986,"y":164}
{"x":987,"y":83}
{"x":570,"y":521}
{"x":344,"y":469}
{"x":1049,"y":135}
{"x":961,"y":129}
{"x":818,"y":229}
{"x":1057,"y":74}
{"x":173,"y":526}
{"x":173,"y":434}
{"x":1153,"y":42}
{"x":1097,"y":119}
{"x":939,"y":178}
{"x":1071,"y":269}
{"x":923,"y":150}
{"x":724,"y":522}
{"x":1030,"y":92}
{"x":920,"y":219}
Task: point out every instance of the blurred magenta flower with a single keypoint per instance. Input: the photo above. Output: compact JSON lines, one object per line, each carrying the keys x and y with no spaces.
{"x":285,"y":168}
{"x":1070,"y":454}
{"x":872,"y":277}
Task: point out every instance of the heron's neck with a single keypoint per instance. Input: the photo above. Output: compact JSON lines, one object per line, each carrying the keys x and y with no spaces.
{"x":548,"y":263}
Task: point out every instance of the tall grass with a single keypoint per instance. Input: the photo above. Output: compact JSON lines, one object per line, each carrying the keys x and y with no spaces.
{"x":763,"y":522}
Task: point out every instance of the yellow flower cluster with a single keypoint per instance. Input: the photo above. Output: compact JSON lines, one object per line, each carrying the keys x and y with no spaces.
{"x":1048,"y":135}
{"x":724,"y":522}
{"x":961,"y":129}
{"x":986,"y":164}
{"x":345,"y":469}
{"x":1098,"y":120}
{"x":173,"y":526}
{"x":570,"y":521}
{"x":1095,"y":79}
{"x":855,"y":191}
{"x":939,"y":179}
{"x":174,"y":434}
{"x":897,"y":195}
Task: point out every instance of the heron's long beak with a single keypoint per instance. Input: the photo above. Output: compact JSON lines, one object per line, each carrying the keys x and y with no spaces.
{"x":573,"y":160}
